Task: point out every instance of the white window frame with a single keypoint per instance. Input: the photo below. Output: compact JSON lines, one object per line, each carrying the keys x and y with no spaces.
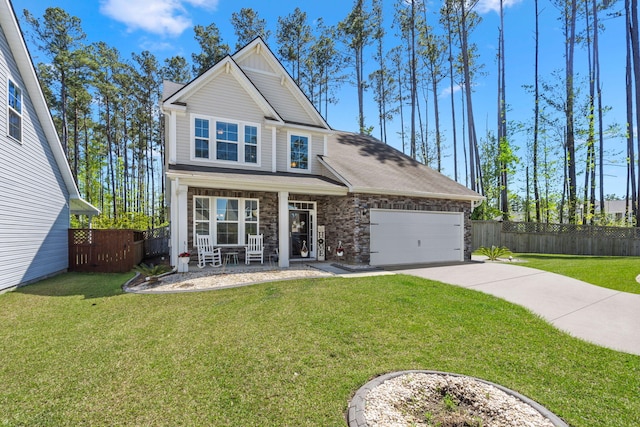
{"x":11,"y":110}
{"x":213,"y":221}
{"x":213,"y":140}
{"x":208,"y":138}
{"x":309,"y":151}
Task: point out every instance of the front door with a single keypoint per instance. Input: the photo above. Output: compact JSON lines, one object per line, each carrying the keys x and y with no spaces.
{"x":299,"y":227}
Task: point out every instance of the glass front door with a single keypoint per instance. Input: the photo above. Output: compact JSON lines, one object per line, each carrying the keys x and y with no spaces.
{"x":299,"y":228}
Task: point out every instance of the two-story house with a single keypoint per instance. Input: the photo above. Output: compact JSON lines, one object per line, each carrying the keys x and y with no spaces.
{"x":37,"y":190}
{"x":247,"y":153}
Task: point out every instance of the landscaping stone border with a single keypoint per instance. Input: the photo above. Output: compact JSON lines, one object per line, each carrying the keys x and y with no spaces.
{"x":355,"y":412}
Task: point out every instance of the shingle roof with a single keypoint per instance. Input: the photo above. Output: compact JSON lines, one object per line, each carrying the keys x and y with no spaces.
{"x":367,"y":165}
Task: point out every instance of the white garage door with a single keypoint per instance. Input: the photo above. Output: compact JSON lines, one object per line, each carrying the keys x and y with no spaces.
{"x":410,"y":237}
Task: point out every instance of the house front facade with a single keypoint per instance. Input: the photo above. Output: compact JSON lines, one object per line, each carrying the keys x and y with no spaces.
{"x":247,"y":153}
{"x":37,"y":190}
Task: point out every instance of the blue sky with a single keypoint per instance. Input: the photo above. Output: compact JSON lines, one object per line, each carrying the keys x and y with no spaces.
{"x":164,"y":27}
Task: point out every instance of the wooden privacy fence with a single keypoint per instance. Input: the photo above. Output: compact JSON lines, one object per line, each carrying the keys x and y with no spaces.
{"x":105,"y":251}
{"x":572,"y":239}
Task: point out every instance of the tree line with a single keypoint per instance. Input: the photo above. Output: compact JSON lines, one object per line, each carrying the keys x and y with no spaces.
{"x":402,"y":60}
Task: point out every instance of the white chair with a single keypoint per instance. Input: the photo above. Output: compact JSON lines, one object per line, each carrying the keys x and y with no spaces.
{"x":206,"y":251}
{"x":254,"y":251}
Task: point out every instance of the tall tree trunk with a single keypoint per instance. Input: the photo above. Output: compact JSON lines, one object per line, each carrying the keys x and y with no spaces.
{"x":569,"y":116}
{"x":412,"y":73}
{"x":473,"y":142}
{"x":452,"y":93}
{"x":630,"y":127}
{"x":536,"y":118}
{"x":635,"y":49}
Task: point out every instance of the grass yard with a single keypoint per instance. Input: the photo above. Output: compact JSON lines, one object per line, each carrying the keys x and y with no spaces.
{"x":75,"y":350}
{"x":618,"y":273}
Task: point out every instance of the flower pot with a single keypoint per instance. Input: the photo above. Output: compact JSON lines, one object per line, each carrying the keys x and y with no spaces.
{"x":183,"y":264}
{"x":304,"y":254}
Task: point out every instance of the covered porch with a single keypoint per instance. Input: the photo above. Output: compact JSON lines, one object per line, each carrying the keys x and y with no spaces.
{"x":287,"y":211}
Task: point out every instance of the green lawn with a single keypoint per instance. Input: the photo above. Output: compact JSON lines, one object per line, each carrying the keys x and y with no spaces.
{"x":617,"y":273}
{"x":76,"y":351}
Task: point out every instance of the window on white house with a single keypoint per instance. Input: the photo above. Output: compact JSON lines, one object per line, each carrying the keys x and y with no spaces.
{"x":299,"y":152}
{"x":202,"y":138}
{"x":227,"y":141}
{"x":228,"y":225}
{"x":250,"y":144}
{"x":15,"y":111}
{"x":237,"y":142}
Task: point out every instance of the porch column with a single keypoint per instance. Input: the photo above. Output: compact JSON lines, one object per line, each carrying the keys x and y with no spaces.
{"x":283,"y":229}
{"x":179,"y":220}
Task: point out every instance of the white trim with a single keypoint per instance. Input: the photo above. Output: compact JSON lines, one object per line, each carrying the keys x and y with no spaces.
{"x":293,"y":88}
{"x":172,"y":134}
{"x":202,"y":179}
{"x":336,"y":174}
{"x":241,"y":145}
{"x":10,"y":109}
{"x":213,"y":221}
{"x":283,"y":229}
{"x":313,"y":214}
{"x":274,"y":150}
{"x":309,"y":168}
{"x":229,"y":65}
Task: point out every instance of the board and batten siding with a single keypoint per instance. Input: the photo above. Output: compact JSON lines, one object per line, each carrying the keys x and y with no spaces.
{"x":222,"y":98}
{"x":34,"y":212}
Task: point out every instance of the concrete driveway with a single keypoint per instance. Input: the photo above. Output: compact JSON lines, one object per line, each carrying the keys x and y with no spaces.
{"x":602,"y":316}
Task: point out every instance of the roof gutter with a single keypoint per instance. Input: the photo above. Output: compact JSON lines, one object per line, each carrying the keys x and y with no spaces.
{"x":257,"y":185}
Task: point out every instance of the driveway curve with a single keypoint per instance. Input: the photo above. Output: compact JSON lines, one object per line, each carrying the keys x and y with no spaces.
{"x":599,"y":315}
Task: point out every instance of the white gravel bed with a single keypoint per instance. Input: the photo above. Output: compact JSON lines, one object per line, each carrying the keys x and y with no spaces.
{"x":418,"y":399}
{"x":212,"y":278}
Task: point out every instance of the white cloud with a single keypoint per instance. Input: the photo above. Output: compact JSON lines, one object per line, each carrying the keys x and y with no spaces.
{"x":162,"y":17}
{"x":485,"y":6}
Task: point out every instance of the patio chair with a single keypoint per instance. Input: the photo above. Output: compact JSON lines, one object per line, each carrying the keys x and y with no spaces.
{"x":206,"y":251}
{"x":254,"y":251}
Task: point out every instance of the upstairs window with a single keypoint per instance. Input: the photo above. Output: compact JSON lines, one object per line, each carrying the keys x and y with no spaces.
{"x":202,"y":138}
{"x":299,"y":152}
{"x":226,"y":141}
{"x":15,"y":111}
{"x":231,"y":141}
{"x":250,"y":144}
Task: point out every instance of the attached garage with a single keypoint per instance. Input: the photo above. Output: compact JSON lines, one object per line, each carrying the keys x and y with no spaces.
{"x":414,"y":237}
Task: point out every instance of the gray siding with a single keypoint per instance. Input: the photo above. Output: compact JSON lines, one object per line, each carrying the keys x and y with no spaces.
{"x":280,"y":97}
{"x":223,"y":98}
{"x":282,"y":144}
{"x":34,"y":213}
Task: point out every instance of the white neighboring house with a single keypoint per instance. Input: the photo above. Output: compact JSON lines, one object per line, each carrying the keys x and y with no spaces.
{"x":37,"y":190}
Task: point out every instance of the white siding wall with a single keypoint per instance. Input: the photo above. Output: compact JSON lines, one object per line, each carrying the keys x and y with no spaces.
{"x":282,"y":144}
{"x":34,"y":215}
{"x":280,"y":97}
{"x":222,"y":98}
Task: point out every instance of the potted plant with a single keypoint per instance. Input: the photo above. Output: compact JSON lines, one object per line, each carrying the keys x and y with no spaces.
{"x":304,"y":252}
{"x":183,"y":262}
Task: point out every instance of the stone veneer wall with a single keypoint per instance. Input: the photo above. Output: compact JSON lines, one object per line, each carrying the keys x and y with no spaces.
{"x":346,"y":218}
{"x":267,"y":216}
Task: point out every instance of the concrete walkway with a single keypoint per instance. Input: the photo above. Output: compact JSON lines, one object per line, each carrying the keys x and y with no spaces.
{"x":602,"y":316}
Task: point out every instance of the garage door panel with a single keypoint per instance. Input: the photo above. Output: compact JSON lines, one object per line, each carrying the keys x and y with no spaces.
{"x":407,"y":237}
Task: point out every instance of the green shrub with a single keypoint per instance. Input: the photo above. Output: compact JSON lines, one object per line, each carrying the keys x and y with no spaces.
{"x":494,"y":252}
